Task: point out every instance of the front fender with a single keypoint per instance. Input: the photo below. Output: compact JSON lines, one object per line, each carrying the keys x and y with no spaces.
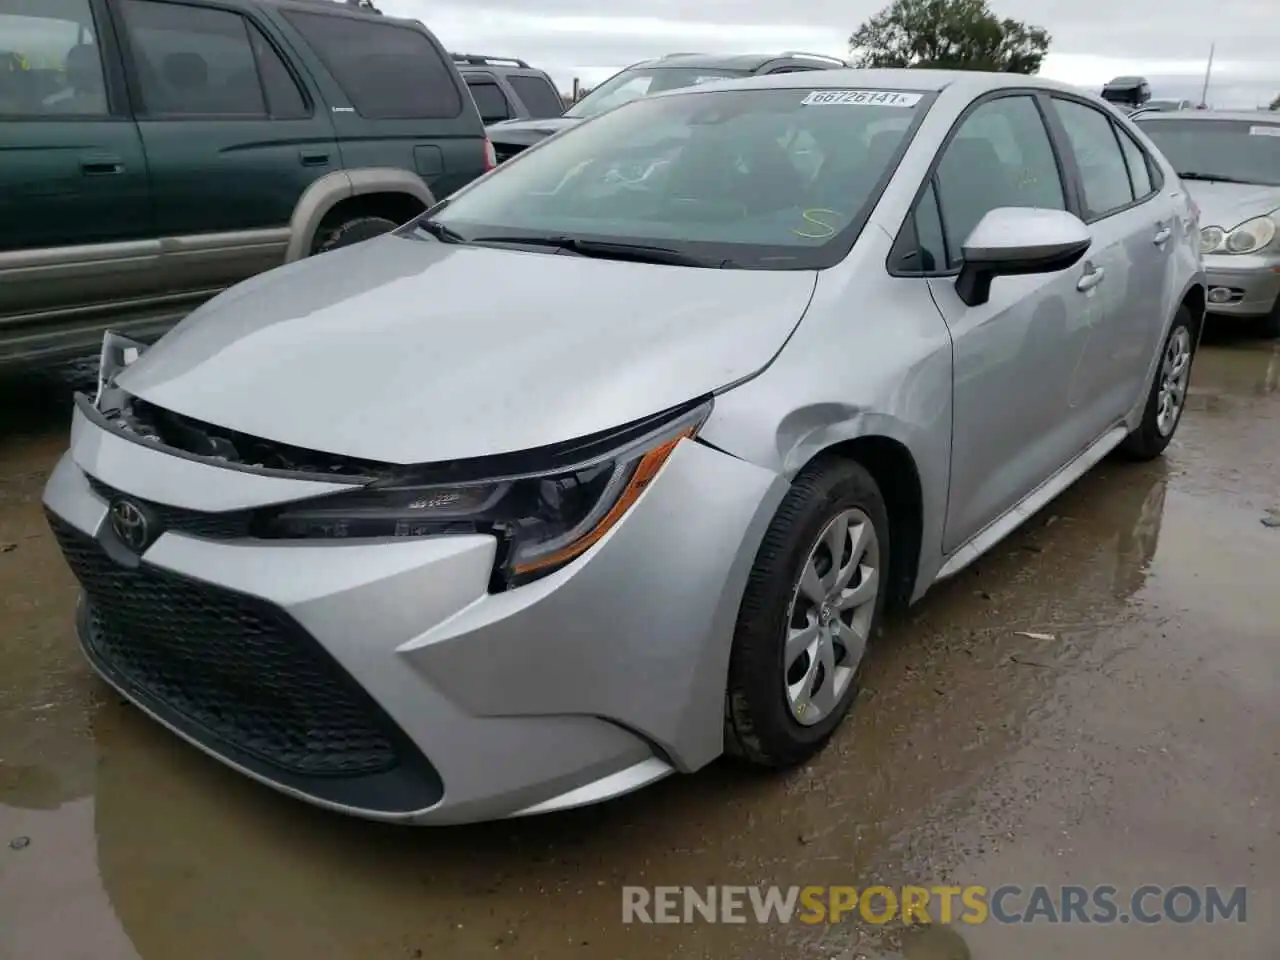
{"x":870,"y":359}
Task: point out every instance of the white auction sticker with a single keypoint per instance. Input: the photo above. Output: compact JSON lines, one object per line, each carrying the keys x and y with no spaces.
{"x":846,"y":98}
{"x":1264,"y":131}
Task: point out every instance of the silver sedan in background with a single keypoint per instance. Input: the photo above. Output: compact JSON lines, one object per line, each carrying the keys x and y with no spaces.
{"x":1230,"y":162}
{"x":613,"y":461}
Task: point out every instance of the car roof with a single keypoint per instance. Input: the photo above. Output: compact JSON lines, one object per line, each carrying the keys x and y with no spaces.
{"x":1251,"y":116}
{"x":746,"y":62}
{"x":971,"y":82}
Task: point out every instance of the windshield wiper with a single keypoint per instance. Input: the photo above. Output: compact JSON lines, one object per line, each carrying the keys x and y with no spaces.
{"x":612,"y":250}
{"x":1209,"y":177}
{"x":441,"y":232}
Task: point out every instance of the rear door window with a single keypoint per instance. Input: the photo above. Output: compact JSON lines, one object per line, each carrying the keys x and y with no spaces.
{"x":490,"y":100}
{"x":193,"y":61}
{"x":387,"y":71}
{"x":1139,"y":171}
{"x":285,"y":100}
{"x":538,"y":96}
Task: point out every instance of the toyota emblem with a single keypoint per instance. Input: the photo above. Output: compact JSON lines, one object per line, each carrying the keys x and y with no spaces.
{"x":130,"y":525}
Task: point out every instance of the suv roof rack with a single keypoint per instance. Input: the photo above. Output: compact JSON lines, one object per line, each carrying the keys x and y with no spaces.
{"x":363,"y":5}
{"x":683,"y":53}
{"x":813,"y":56}
{"x":481,"y":59}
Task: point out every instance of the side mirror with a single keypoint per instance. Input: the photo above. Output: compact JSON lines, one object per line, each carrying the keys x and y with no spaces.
{"x":1015,"y":241}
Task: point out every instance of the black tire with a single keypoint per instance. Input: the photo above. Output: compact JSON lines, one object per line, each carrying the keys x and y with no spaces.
{"x":351,"y":231}
{"x":1147,"y":442}
{"x":1269,"y":326}
{"x":759,"y":724}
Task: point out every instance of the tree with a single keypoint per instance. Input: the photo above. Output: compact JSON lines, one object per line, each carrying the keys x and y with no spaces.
{"x":948,"y":35}
{"x":1275,"y":104}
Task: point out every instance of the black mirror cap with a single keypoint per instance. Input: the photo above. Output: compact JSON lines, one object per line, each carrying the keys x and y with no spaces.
{"x":973,"y":285}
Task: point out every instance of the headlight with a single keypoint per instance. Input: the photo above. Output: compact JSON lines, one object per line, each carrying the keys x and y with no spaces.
{"x":543,"y":518}
{"x":1211,"y":239}
{"x":1249,"y":237}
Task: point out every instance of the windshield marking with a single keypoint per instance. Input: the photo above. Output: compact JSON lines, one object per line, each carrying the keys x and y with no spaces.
{"x":827,"y":230}
{"x":886,"y":98}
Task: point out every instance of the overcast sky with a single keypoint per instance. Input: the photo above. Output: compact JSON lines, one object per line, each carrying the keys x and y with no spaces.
{"x":1166,"y":41}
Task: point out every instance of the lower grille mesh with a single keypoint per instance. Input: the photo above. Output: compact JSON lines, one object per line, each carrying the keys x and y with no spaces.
{"x":233,"y":667}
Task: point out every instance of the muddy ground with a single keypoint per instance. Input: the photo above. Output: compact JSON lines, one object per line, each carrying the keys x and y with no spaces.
{"x":1135,"y":738}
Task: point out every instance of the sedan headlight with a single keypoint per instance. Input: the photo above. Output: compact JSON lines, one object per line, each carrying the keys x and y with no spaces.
{"x":1211,"y":239}
{"x":543,"y":518}
{"x":1249,"y":237}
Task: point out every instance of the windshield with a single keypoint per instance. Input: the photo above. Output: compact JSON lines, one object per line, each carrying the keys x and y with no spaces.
{"x":762,"y":178}
{"x":633,"y":84}
{"x":1246,"y":151}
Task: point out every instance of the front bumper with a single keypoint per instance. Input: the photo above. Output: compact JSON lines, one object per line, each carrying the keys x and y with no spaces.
{"x":381,"y":679}
{"x":1250,"y":284}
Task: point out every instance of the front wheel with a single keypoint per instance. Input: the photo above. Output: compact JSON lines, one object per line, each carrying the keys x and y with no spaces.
{"x":1269,"y":326}
{"x":812,"y":603}
{"x":1168,"y":396}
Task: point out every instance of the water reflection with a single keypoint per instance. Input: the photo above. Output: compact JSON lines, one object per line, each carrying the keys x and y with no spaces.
{"x":185,"y":846}
{"x":46,"y":752}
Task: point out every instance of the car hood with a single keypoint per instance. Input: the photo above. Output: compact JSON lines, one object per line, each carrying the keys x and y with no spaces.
{"x":406,"y":350}
{"x":1228,"y":205}
{"x":528,"y":132}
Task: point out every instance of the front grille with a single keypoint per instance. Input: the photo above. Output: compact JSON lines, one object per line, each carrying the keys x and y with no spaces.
{"x":231,"y":670}
{"x":232,"y":525}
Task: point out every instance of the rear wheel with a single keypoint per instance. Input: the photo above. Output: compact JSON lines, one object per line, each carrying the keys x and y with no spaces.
{"x":813,"y":601}
{"x":1168,"y":396}
{"x":351,"y":231}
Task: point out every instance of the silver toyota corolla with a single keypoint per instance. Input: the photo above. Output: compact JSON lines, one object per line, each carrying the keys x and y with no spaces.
{"x":612,"y":462}
{"x":1231,"y":165}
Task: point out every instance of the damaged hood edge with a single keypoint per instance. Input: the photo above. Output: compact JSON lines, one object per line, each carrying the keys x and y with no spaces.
{"x":403,"y":350}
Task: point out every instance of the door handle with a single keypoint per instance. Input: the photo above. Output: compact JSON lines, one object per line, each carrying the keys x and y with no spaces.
{"x":313,"y":158}
{"x":1162,"y":235}
{"x":101,"y":166}
{"x":1092,"y":277}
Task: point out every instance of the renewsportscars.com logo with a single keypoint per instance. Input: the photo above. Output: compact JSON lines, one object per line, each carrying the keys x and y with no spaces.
{"x":1008,"y":904}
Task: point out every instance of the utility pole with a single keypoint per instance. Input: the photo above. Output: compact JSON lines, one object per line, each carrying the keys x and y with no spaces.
{"x":1208,"y":69}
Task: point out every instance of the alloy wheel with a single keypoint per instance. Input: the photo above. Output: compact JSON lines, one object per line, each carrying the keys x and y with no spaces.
{"x":1175,"y":374}
{"x":830,"y":617}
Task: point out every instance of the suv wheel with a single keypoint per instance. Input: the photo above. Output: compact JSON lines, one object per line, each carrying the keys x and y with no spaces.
{"x":352,"y":231}
{"x":812,"y":602}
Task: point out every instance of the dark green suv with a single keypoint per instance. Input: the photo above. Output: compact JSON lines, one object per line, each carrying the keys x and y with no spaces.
{"x":154,"y":152}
